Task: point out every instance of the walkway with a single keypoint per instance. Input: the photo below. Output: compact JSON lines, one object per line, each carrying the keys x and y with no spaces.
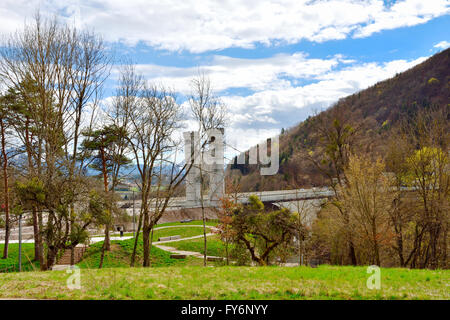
{"x":173,"y":250}
{"x":183,"y":252}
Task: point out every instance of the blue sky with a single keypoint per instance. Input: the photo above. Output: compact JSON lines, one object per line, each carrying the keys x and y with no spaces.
{"x":400,"y":43}
{"x":272,"y":62}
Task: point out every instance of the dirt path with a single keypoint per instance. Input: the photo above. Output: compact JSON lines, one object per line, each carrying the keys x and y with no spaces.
{"x":173,"y":250}
{"x":159,"y":244}
{"x":184,"y":252}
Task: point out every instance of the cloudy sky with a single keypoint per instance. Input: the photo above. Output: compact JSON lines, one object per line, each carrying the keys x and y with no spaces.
{"x":273,"y":62}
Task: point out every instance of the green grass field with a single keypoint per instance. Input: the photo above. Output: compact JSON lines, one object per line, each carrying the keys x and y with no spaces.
{"x":214,"y":247}
{"x":212,"y":223}
{"x":324,"y":282}
{"x":187,"y":279}
{"x":181,"y":231}
{"x":12,"y":263}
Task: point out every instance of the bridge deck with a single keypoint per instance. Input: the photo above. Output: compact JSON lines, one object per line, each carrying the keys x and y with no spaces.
{"x":265,"y":196}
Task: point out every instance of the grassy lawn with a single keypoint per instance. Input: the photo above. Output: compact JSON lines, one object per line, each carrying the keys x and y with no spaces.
{"x":324,"y":282}
{"x":215,"y":247}
{"x":119,"y":256}
{"x":181,"y":231}
{"x":12,"y":263}
{"x":212,"y":223}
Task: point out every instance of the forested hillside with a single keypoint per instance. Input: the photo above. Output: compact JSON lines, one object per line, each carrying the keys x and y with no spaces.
{"x":371,"y":117}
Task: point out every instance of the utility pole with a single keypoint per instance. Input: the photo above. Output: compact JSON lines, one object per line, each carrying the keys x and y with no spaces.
{"x":134,"y":218}
{"x":20,"y":242}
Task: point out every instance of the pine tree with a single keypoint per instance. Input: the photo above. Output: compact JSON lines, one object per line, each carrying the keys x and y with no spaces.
{"x":101,"y":146}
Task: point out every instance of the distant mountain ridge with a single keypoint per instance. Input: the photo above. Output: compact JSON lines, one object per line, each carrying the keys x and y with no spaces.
{"x":378,"y":108}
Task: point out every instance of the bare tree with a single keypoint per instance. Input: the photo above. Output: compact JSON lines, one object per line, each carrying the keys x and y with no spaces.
{"x":210,"y":113}
{"x":126,"y":98}
{"x":57,"y":71}
{"x":125,"y":112}
{"x":423,"y":166}
{"x":5,"y":155}
{"x":368,"y":197}
{"x":336,"y":142}
{"x":302,"y":210}
{"x":401,"y":214}
{"x":153,"y":120}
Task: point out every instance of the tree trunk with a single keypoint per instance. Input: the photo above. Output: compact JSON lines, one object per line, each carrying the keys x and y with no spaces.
{"x":351,"y":252}
{"x":205,"y":245}
{"x":40,"y":244}
{"x":399,"y":248}
{"x":102,"y":257}
{"x":145,"y":238}
{"x":72,"y":256}
{"x":105,"y":182}
{"x":299,"y":252}
{"x":434,"y":236}
{"x":106,"y":243}
{"x":351,"y":246}
{"x":226,"y":252}
{"x":150,"y":250}
{"x":376,"y":249}
{"x":37,"y":218}
{"x":400,"y":252}
{"x":107,"y":238}
{"x":37,"y":255}
{"x":51,"y":258}
{"x":376,"y":254}
{"x":6,"y":199}
{"x":136,"y":239}
{"x":251,"y":249}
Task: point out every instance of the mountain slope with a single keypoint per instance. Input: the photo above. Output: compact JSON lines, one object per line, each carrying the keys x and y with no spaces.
{"x":376,"y":111}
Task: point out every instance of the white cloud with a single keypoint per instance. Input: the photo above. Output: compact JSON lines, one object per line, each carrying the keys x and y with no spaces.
{"x":277,"y":102}
{"x":290,"y":105}
{"x":199,"y":26}
{"x":254,"y":74}
{"x":273,"y":81}
{"x":402,"y":14}
{"x":442,"y":45}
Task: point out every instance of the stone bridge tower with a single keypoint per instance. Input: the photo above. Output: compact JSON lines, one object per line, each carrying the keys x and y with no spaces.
{"x":208,"y":160}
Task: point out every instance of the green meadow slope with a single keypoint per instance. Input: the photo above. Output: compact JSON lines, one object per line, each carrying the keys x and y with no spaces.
{"x":324,"y":282}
